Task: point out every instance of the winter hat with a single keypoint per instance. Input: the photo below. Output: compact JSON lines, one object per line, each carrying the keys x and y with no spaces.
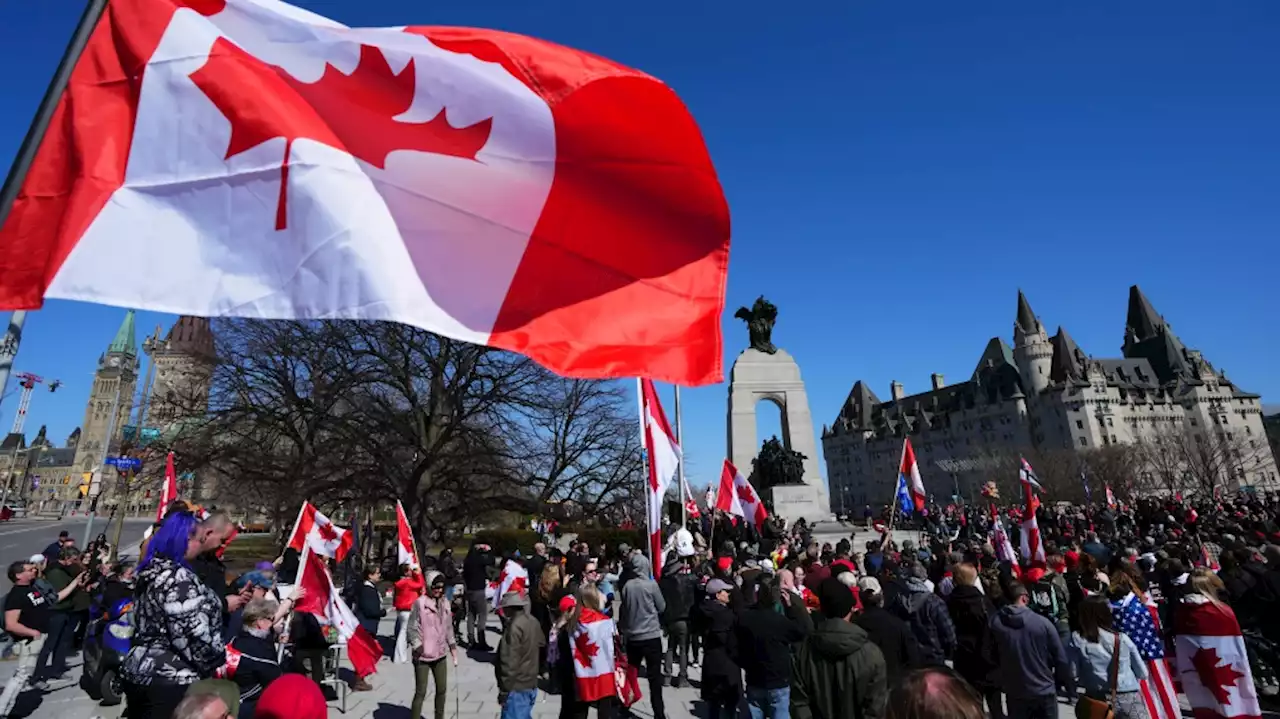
{"x":292,"y":696}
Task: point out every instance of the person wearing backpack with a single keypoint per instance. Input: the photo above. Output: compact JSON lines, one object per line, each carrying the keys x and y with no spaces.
{"x":1049,"y":597}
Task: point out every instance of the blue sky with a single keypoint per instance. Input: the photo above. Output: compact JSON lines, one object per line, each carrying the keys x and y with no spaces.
{"x":896,"y":171}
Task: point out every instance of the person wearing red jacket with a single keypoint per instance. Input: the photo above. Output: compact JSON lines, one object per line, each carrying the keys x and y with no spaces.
{"x":406,"y":591}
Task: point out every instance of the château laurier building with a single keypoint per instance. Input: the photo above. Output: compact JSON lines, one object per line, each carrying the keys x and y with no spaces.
{"x":1045,"y":393}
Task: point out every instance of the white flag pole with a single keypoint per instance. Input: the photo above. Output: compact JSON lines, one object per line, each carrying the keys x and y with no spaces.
{"x":684,"y":506}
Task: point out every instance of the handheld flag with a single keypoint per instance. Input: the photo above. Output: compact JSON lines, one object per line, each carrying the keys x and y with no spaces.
{"x":663,"y":454}
{"x":909,"y":472}
{"x":738,"y":498}
{"x":903,"y":495}
{"x":323,"y":600}
{"x":314,"y":530}
{"x":486,"y":186}
{"x":1029,"y":539}
{"x":169,"y":491}
{"x":406,"y":549}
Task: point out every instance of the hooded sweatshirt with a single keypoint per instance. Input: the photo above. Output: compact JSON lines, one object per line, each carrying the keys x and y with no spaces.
{"x":640,"y":613}
{"x":1033,"y":662}
{"x":838,"y":674}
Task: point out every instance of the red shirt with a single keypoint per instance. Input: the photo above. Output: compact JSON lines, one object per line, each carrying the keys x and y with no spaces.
{"x":407,"y":589}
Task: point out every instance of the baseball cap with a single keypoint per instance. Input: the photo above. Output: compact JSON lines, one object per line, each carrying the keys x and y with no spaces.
{"x":567,"y":603}
{"x":869,"y":584}
{"x":715,"y":586}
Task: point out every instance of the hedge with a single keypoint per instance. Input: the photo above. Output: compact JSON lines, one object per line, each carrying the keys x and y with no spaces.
{"x":506,"y":540}
{"x":611,"y":538}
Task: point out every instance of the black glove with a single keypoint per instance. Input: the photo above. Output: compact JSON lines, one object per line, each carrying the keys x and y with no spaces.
{"x":502,"y":698}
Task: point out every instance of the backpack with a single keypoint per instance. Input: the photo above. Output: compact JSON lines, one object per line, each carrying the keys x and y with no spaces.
{"x":1043,"y":600}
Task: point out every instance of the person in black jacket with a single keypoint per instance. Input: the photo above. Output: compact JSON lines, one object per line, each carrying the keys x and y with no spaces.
{"x":975,"y":657}
{"x":721,"y":675}
{"x":255,"y":653}
{"x":368,"y":608}
{"x":765,"y":638}
{"x":926,"y":614}
{"x":474,"y":580}
{"x":892,"y":635}
{"x":680,"y":592}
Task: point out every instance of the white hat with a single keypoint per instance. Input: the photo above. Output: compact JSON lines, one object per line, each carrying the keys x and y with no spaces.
{"x":37,"y":559}
{"x":684,"y":543}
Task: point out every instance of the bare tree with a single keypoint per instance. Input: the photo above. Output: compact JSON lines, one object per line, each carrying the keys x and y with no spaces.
{"x":1187,"y":459}
{"x":362,"y":414}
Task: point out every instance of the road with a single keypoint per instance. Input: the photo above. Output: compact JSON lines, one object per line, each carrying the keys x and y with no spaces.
{"x":21,"y":538}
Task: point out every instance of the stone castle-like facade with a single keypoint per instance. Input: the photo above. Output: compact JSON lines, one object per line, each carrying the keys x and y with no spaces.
{"x":1044,"y":393}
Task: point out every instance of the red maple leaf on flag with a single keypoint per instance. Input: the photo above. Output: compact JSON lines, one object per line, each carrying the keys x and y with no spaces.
{"x":745,"y":495}
{"x":1217,"y":679}
{"x":584,"y":650}
{"x":354,"y":113}
{"x":519,"y":584}
{"x":326,"y":531}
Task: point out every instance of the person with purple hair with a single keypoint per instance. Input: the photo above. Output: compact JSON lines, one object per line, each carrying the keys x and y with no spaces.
{"x":178,"y":619}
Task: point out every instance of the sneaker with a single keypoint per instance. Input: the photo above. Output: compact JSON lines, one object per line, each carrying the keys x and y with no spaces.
{"x":677,"y":682}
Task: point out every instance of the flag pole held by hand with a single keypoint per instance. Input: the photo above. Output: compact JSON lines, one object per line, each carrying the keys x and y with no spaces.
{"x":44,"y":113}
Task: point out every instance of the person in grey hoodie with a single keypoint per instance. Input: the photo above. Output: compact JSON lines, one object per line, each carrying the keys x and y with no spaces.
{"x":640,"y":622}
{"x":1033,"y":662}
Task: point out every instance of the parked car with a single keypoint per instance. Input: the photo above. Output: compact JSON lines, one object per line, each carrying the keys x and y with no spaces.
{"x":13,"y":510}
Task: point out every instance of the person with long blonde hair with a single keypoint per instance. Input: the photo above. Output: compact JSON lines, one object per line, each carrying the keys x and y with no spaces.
{"x":1211,"y":657}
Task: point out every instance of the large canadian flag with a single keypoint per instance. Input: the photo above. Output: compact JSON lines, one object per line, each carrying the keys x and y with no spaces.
{"x":314,"y":530}
{"x":593,"y":656}
{"x":254,"y":159}
{"x":738,"y":498}
{"x":663,"y":454}
{"x":1212,"y":661}
{"x":324,"y":601}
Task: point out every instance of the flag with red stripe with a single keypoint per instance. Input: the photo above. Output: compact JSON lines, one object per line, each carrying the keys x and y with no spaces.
{"x":593,"y":663}
{"x":255,"y":159}
{"x":323,"y":600}
{"x":1029,"y":539}
{"x":738,"y":498}
{"x":315,"y":530}
{"x":663,"y":454}
{"x":1212,"y":662}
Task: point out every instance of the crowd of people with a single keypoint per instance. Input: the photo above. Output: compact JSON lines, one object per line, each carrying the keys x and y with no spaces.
{"x":775,"y":621}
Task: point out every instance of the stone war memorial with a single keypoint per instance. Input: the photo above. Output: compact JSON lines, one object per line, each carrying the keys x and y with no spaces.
{"x":785,"y":471}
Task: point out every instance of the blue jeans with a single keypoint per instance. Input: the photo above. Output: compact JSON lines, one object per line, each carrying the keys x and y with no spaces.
{"x":769,"y":703}
{"x":520,"y":704}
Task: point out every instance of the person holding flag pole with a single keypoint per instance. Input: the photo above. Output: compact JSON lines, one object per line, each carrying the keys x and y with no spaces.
{"x":908,"y":479}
